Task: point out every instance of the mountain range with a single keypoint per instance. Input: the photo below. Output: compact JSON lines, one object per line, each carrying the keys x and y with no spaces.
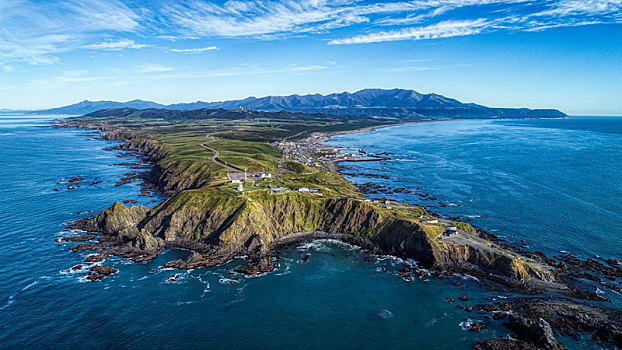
{"x":368,"y":103}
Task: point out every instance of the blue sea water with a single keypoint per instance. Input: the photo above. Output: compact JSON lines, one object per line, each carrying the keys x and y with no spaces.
{"x":335,"y":299}
{"x":554,"y":183}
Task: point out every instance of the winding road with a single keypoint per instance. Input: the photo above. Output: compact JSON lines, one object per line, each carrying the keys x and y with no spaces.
{"x":215,"y":159}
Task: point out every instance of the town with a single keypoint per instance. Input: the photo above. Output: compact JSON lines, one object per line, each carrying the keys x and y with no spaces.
{"x":313,"y":152}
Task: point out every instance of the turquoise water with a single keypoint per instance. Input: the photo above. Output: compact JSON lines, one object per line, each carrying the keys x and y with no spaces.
{"x":334,"y":300}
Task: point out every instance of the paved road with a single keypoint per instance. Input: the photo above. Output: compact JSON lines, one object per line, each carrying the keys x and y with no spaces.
{"x":215,"y":159}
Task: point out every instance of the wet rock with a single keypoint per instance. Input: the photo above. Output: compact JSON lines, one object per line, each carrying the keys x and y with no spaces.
{"x":101,"y":256}
{"x":469,"y":309}
{"x":502,"y":344}
{"x":504,"y":306}
{"x":608,"y":334}
{"x":86,"y":246}
{"x":98,"y":272}
{"x":369,"y":259}
{"x":461,"y":307}
{"x":257,"y":267}
{"x":499,"y":315}
{"x":588,"y":276}
{"x":450,"y":300}
{"x":405,"y":273}
{"x":195,"y":260}
{"x":306,"y":257}
{"x":536,"y":331}
{"x":612,"y":287}
{"x":477,"y":327}
{"x":77,"y":238}
{"x":487,"y":307}
{"x":464,"y":298}
{"x":77,"y":267}
{"x":173,"y":279}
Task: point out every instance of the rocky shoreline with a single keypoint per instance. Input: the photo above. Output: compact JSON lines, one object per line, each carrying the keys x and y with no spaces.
{"x":140,"y":234}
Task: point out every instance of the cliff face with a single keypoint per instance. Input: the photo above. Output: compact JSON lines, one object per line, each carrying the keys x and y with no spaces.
{"x":228,"y":224}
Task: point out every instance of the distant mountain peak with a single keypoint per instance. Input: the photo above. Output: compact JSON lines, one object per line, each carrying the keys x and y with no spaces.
{"x":371,"y":102}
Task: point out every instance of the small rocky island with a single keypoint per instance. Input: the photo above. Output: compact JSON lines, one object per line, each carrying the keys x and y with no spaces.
{"x":246,"y":183}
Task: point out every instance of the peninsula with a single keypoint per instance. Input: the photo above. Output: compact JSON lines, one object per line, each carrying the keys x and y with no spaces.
{"x":247,"y":183}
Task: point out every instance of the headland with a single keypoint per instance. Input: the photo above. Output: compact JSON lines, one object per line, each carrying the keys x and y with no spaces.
{"x":260,"y":181}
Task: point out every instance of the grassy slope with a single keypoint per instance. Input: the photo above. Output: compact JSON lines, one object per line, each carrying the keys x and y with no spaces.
{"x":242,"y":143}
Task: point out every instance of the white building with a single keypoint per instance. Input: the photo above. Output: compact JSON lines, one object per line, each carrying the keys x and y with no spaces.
{"x":236,"y":178}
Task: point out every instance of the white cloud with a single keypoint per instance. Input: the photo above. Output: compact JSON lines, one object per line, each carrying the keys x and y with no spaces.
{"x":239,"y":70}
{"x":37,"y":31}
{"x":195,"y":50}
{"x":116,"y":45}
{"x":584,"y":7}
{"x":445,"y":29}
{"x":269,"y":17}
{"x":530,"y":17}
{"x":154,"y":68}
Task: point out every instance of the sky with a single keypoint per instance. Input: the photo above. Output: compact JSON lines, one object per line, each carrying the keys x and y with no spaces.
{"x":564,"y":54}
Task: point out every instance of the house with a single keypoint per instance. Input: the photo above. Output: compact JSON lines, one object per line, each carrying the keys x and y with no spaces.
{"x":236,"y":178}
{"x":264,"y":175}
{"x":450,"y":233}
{"x":304,"y":189}
{"x":278,"y":190}
{"x":240,"y":187}
{"x":430,"y":221}
{"x":314,"y":190}
{"x":451,"y":228}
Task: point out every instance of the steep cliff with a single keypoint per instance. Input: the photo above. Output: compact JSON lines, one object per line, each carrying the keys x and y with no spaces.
{"x":225,"y":224}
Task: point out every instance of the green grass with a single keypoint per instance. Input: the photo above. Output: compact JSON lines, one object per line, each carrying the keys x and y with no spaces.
{"x":243,"y":142}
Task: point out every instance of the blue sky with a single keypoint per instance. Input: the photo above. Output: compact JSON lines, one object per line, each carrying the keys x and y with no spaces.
{"x":564,"y":54}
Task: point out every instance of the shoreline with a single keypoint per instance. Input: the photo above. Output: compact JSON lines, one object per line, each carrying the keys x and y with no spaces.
{"x":262,"y":265}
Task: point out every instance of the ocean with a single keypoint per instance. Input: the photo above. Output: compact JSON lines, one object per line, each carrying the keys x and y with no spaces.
{"x":554,"y":184}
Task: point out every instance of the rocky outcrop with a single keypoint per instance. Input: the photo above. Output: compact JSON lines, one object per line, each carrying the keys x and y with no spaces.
{"x":504,"y":344}
{"x":219,"y":225}
{"x":98,"y":272}
{"x":119,"y":219}
{"x":571,"y":317}
{"x":537,"y":332}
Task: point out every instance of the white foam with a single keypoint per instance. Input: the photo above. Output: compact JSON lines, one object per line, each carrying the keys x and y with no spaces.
{"x":384,"y":314}
{"x":30,"y":285}
{"x":9,"y":302}
{"x":431,"y":322}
